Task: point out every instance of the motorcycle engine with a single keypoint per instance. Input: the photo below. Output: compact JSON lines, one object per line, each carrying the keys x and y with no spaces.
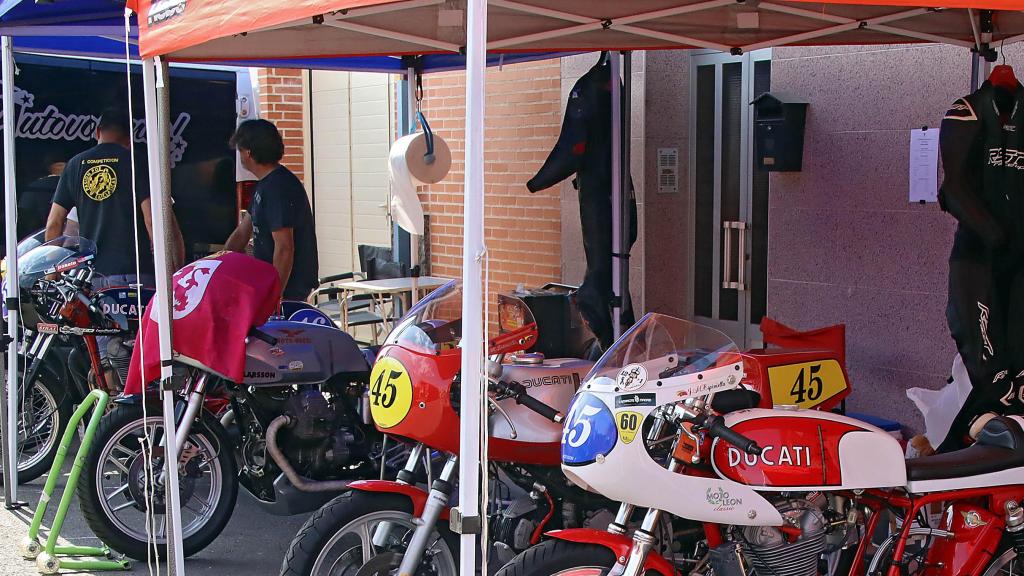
{"x":774,"y":552}
{"x":319,"y":443}
{"x":119,"y":358}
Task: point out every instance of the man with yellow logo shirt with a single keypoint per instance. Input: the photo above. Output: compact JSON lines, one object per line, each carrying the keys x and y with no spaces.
{"x":98,"y":183}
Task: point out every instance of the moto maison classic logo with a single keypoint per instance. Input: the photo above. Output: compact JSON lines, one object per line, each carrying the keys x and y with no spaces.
{"x":161,"y":11}
{"x":51,"y":124}
{"x":721,"y":500}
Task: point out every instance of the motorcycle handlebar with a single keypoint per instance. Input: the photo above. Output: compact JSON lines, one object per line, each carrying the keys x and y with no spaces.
{"x":261,"y":335}
{"x":518,"y":391}
{"x":716,"y":427}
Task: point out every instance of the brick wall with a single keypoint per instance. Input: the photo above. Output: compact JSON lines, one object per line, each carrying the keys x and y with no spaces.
{"x":282,"y":101}
{"x":523,"y":230}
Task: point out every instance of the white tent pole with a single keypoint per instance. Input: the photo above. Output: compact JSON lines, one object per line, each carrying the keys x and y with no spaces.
{"x":156,"y":147}
{"x":616,"y":63}
{"x":10,"y":465}
{"x":471,"y":424}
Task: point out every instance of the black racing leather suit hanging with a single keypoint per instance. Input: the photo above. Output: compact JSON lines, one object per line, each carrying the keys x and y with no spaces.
{"x":584,"y":148}
{"x":982,"y":144}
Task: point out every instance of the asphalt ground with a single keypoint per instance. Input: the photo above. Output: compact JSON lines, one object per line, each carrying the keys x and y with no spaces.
{"x":252,"y":544}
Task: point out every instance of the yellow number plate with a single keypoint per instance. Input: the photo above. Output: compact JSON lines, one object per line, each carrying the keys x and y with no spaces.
{"x":390,"y":392}
{"x":807,"y":384}
{"x":629,"y":424}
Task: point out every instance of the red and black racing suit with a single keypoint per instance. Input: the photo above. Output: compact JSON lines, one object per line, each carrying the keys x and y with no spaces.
{"x":983,"y":160}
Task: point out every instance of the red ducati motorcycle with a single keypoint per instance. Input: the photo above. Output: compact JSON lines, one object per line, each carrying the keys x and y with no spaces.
{"x":777,"y":491}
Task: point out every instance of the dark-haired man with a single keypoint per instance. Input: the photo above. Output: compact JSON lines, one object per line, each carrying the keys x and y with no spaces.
{"x":98,"y":183}
{"x":280,"y":220}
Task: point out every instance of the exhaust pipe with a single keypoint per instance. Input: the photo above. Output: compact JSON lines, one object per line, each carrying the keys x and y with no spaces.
{"x":299,"y":482}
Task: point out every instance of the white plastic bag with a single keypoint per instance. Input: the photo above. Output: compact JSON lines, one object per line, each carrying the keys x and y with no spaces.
{"x":940,"y":407}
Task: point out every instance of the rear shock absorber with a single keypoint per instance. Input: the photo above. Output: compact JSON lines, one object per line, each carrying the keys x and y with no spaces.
{"x":1015,"y":525}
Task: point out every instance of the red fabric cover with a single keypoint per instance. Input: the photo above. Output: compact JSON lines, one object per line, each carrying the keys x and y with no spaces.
{"x":828,"y":338}
{"x":216,"y":301}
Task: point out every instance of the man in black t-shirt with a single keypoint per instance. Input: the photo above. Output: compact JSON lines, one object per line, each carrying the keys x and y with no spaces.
{"x":98,"y":182}
{"x":280,"y":220}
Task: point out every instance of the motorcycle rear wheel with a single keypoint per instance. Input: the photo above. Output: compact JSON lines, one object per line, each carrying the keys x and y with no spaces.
{"x":337,"y":538}
{"x":45,"y":411}
{"x":1006,"y":563}
{"x":561,"y":558}
{"x":114,"y":482}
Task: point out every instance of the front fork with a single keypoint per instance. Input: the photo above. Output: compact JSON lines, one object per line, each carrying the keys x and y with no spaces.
{"x":184,"y":415}
{"x":437,"y":501}
{"x":643,"y":537}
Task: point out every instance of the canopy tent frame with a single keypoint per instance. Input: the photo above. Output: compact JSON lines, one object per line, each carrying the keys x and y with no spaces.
{"x":475,"y":47}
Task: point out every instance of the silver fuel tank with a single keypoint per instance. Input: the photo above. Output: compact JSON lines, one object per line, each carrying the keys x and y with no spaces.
{"x":553,"y":381}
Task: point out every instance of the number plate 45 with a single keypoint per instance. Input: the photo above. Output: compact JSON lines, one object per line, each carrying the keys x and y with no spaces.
{"x":807,"y":384}
{"x":390,"y":392}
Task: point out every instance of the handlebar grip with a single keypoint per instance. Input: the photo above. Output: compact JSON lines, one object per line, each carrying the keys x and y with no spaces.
{"x":263,"y":336}
{"x":540,"y":408}
{"x":518,"y":391}
{"x":717,"y":428}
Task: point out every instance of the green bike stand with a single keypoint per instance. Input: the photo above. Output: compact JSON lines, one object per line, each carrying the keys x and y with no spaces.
{"x":47,"y":558}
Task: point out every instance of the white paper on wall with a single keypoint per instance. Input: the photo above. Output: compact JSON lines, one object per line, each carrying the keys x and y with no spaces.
{"x":924,"y":165}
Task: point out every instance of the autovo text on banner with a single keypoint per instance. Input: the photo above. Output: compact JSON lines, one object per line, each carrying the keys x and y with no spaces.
{"x":47,"y":122}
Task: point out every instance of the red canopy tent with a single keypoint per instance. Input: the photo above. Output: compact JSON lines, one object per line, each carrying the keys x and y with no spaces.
{"x":268,"y":29}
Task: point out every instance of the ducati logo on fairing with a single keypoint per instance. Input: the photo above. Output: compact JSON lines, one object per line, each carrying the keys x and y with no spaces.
{"x":772,"y":456}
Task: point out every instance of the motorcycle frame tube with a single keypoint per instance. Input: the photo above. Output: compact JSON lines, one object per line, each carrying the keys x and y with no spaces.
{"x":154,"y":76}
{"x":9,"y":422}
{"x":472,"y":425}
{"x":914,"y":505}
{"x":94,"y":359}
{"x":437,"y":502}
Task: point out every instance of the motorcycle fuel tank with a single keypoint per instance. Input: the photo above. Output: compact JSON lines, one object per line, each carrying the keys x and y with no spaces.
{"x":553,"y":381}
{"x":809,"y":450}
{"x":304,"y":354}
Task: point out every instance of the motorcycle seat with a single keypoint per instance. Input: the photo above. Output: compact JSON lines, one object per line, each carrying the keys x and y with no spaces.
{"x":1000,"y":446}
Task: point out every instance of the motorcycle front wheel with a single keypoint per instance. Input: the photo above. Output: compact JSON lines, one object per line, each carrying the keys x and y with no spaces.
{"x":45,"y":409}
{"x":341,"y":539}
{"x":561,"y":558}
{"x":122,"y":499}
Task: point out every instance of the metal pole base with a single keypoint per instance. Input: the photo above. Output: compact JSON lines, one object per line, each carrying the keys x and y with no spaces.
{"x":47,"y":560}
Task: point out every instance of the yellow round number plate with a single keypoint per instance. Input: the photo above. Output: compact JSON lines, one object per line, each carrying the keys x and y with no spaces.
{"x":628,"y":423}
{"x":390,"y":392}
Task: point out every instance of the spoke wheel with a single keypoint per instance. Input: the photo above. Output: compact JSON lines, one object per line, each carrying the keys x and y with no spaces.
{"x":123,"y":499}
{"x":342,"y":539}
{"x":44,"y":413}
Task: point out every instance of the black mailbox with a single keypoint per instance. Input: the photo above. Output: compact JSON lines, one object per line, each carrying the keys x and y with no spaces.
{"x":779,"y":132}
